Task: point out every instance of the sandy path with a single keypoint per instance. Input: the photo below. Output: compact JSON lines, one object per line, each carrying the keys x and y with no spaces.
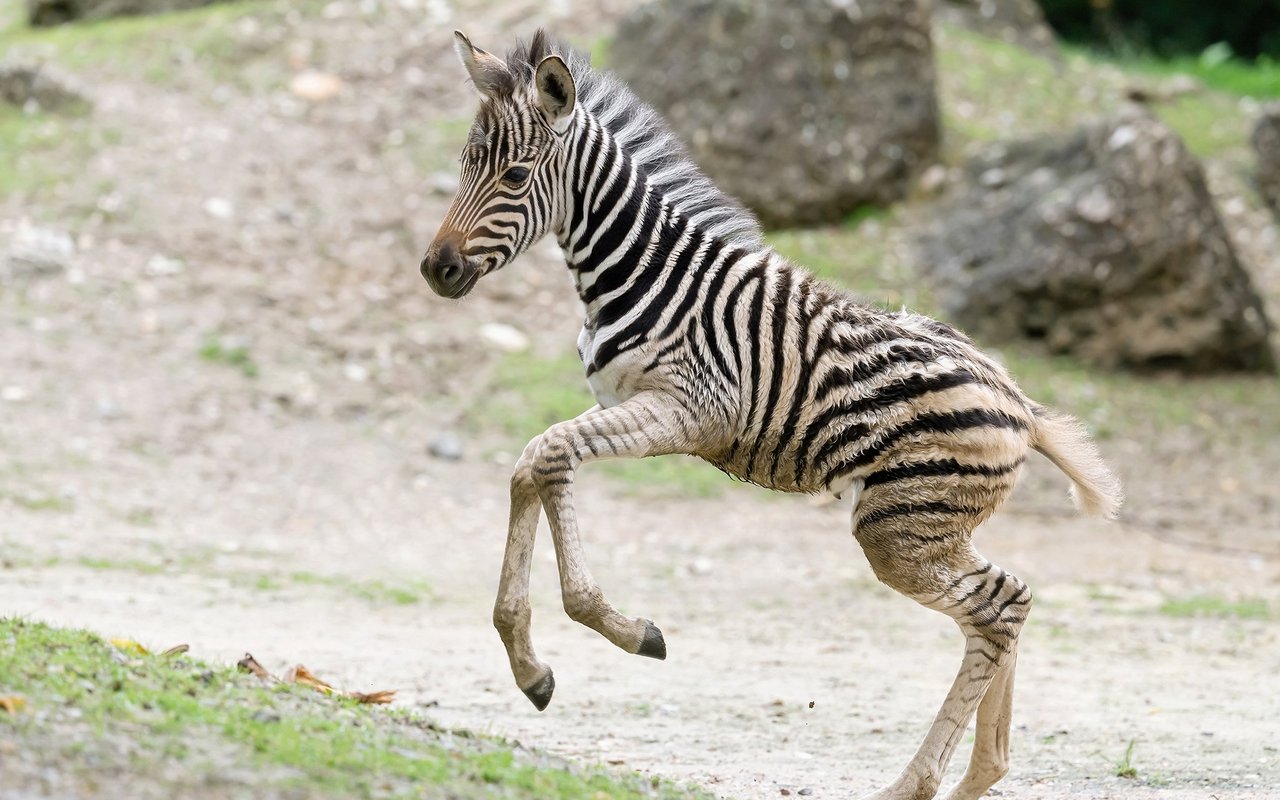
{"x":766,"y":604}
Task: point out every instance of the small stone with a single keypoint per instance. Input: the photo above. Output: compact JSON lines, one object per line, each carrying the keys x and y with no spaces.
{"x":37,"y":252}
{"x":504,"y":337}
{"x":805,"y":792}
{"x":36,"y":87}
{"x":164,"y":265}
{"x":13,"y":394}
{"x":933,"y":179}
{"x":701,"y":566}
{"x":356,"y":373}
{"x":446,"y":446}
{"x":219,"y":208}
{"x":314,"y":86}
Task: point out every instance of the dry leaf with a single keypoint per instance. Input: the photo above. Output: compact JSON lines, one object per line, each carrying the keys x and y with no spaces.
{"x":304,"y":676}
{"x":250,"y":664}
{"x":13,"y":703}
{"x":373,"y":698}
{"x":129,"y":647}
{"x":176,"y":650}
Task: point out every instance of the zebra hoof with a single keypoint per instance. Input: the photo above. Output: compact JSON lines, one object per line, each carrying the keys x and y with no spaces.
{"x":540,"y":693}
{"x":653,"y":645}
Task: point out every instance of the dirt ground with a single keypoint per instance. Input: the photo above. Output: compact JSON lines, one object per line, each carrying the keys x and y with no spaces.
{"x":149,"y":492}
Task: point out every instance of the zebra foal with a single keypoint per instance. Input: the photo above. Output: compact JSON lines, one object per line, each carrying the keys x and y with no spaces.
{"x":699,"y":339}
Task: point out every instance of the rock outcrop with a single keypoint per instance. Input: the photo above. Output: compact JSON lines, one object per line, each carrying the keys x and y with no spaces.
{"x":56,"y":12}
{"x":803,"y":111}
{"x":1105,"y":244}
{"x":1266,"y":145}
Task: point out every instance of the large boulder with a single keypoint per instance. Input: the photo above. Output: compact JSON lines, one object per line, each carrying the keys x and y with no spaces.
{"x":1106,"y":244}
{"x":56,"y":12}
{"x":803,"y":111}
{"x":1266,"y":144}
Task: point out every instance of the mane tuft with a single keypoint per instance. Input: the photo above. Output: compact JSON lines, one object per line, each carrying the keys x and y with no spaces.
{"x":646,"y":137}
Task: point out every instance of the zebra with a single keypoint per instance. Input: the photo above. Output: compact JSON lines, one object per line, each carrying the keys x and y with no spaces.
{"x":700,"y":339}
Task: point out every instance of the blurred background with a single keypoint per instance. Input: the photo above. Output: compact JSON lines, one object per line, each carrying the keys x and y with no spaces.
{"x":232,"y":413}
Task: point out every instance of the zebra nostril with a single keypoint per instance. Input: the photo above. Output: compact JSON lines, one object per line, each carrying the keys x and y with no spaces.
{"x":450,"y":273}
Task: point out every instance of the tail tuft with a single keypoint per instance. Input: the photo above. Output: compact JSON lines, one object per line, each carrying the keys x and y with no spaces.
{"x":1064,"y":441}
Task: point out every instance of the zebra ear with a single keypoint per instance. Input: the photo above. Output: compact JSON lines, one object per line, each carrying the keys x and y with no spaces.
{"x":556,"y":92}
{"x":488,"y":72}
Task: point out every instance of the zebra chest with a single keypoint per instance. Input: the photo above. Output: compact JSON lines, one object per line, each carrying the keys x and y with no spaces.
{"x":613,"y":383}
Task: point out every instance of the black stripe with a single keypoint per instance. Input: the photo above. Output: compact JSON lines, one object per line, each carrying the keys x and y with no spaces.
{"x":940,"y":467}
{"x":908,"y":509}
{"x":931,"y":422}
{"x":778,"y":310}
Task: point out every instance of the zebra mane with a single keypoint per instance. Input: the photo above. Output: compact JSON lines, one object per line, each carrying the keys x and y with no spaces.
{"x":645,"y":136}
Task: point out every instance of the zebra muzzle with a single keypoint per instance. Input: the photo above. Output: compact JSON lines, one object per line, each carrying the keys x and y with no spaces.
{"x":447,"y":272}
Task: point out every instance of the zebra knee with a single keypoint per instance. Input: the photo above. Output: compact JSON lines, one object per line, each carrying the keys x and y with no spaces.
{"x":996,"y":609}
{"x":522,"y":483}
{"x":553,"y":462}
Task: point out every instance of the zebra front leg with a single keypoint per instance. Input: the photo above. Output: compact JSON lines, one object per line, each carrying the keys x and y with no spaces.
{"x":648,"y":424}
{"x":511,"y":612}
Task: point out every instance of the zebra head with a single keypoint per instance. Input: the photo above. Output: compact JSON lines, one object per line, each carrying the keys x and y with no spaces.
{"x":511,"y":189}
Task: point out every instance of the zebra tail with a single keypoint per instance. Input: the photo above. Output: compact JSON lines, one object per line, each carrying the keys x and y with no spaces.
{"x":1064,"y":441}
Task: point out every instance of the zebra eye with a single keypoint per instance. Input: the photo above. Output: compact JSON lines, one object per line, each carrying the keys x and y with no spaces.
{"x":515,"y":176}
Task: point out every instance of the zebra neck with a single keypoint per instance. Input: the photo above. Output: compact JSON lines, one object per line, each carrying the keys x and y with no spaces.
{"x":619,"y":232}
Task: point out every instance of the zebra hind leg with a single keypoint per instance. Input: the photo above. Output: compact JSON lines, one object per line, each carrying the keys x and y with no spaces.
{"x":990,"y":606}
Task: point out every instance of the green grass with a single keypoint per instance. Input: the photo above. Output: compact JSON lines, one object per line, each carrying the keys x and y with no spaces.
{"x":1123,"y":767}
{"x":856,"y":255}
{"x":183,"y":728}
{"x":1213,"y":606}
{"x":376,"y":591}
{"x":1222,"y":406}
{"x":42,"y":150}
{"x":992,"y":90}
{"x":159,"y":48}
{"x":238,"y":357}
{"x":530,"y":393}
{"x":1258,"y":78}
{"x":39,"y":502}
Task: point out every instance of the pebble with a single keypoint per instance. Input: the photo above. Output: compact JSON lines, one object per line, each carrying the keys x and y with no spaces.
{"x":37,"y":252}
{"x":504,"y":337}
{"x":314,"y":86}
{"x":446,"y":446}
{"x":219,"y":208}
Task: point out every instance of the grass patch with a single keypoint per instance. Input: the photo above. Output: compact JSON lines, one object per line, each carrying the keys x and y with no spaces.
{"x":1234,"y":405}
{"x":47,"y":149}
{"x":1123,"y":767}
{"x":232,"y":356}
{"x":531,"y":393}
{"x":39,"y":502}
{"x":856,"y":255}
{"x":990,"y":90}
{"x":182,"y":728}
{"x":159,"y":48}
{"x":377,"y":591}
{"x":1216,"y":607}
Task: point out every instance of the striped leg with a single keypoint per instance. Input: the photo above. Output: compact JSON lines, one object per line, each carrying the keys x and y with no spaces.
{"x":990,"y":760}
{"x":922,"y":549}
{"x":511,"y":612}
{"x":648,"y":424}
